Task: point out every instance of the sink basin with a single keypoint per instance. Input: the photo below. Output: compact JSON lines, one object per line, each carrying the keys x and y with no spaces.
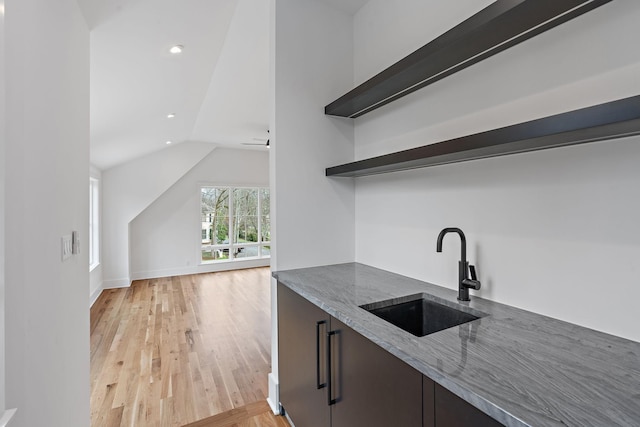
{"x":421,"y":314}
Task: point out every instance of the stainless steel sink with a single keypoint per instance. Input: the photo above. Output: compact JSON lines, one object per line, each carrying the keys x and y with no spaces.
{"x":422,"y":314}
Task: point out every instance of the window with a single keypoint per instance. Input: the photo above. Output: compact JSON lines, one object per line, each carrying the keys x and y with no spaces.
{"x":235,"y":223}
{"x":94,"y":224}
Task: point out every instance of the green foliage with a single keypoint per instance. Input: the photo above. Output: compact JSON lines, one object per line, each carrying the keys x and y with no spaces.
{"x":222,"y":231}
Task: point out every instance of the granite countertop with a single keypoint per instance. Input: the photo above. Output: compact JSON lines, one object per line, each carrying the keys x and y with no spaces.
{"x":521,"y":368}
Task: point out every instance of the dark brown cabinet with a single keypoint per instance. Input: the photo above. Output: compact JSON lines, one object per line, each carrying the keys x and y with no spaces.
{"x":332,"y":376}
{"x":451,"y":411}
{"x":372,"y":387}
{"x":301,"y":348}
{"x":428,"y":402}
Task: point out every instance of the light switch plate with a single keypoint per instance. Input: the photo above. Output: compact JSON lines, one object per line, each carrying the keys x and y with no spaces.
{"x":75,"y":241}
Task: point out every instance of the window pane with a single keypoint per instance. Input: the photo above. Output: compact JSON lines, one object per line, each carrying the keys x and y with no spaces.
{"x":265,"y":224}
{"x":215,"y":222}
{"x":214,"y":254}
{"x":245,"y":218}
{"x":215,"y":215}
{"x":245,"y":252}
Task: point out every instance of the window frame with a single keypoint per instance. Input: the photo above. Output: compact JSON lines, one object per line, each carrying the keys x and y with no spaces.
{"x":94,"y":223}
{"x":234,"y":248}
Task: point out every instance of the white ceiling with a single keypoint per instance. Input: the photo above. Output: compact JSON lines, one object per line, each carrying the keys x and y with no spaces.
{"x":218,"y":87}
{"x":350,"y":6}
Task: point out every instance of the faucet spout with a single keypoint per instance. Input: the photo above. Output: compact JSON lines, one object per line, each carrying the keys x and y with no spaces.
{"x":463,"y":241}
{"x":464,"y":282}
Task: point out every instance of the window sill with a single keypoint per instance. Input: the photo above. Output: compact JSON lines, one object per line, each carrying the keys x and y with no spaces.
{"x":234,"y":261}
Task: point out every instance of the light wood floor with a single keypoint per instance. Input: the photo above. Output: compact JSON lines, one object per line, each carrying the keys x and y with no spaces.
{"x":172,"y":351}
{"x":252,"y":415}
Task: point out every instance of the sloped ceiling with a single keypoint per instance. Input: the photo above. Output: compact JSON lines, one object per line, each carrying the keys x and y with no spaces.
{"x":217,"y":88}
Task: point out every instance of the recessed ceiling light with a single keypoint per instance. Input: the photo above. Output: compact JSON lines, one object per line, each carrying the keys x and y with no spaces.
{"x":171,"y":115}
{"x":168,"y":142}
{"x":176,"y":49}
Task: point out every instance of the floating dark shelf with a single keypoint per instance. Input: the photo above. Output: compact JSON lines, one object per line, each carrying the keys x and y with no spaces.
{"x":611,"y":120}
{"x":499,"y":26}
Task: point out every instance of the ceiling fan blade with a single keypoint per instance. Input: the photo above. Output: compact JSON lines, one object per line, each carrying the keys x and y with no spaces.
{"x":263,"y":144}
{"x":262,"y":141}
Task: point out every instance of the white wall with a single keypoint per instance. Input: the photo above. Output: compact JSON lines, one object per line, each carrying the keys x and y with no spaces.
{"x":95,"y":275}
{"x":165,"y":237}
{"x":554,"y":232}
{"x":127,"y":190}
{"x":313,"y":66}
{"x":312,"y":217}
{"x":273,"y":397}
{"x":47,"y":170}
{"x":2,"y":205}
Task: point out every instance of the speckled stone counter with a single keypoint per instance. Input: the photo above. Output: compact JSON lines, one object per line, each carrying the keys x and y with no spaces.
{"x":521,"y":368}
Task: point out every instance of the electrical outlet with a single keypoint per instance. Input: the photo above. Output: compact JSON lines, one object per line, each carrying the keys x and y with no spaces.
{"x":67,"y":246}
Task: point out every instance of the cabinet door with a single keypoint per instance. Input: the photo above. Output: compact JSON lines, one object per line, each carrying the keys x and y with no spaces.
{"x":371,"y":387}
{"x":428,"y":402}
{"x":451,"y":411}
{"x":299,"y":366}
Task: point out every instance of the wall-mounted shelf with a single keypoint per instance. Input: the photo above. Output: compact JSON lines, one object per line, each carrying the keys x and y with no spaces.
{"x":611,"y":120}
{"x":499,"y":26}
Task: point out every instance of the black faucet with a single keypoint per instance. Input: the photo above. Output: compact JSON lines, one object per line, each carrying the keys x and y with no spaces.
{"x":464,"y":282}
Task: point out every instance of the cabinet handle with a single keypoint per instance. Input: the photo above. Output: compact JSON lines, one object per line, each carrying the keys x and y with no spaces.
{"x":330,"y":399}
{"x":318,"y":384}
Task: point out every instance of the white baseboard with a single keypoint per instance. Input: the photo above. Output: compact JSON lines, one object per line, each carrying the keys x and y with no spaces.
{"x":94,"y":296}
{"x":5,"y":421}
{"x":274,"y":394}
{"x":107,"y":284}
{"x":116,"y":283}
{"x":202,"y":268}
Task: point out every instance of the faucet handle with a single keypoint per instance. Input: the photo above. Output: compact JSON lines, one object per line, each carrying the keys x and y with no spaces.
{"x":472,"y":283}
{"x":472,"y":270}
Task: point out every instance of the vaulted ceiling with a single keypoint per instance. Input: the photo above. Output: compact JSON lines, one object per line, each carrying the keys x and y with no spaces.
{"x":217,"y":87}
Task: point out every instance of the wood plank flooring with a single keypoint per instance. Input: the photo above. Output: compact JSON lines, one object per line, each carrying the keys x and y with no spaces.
{"x":256,"y":414}
{"x":172,"y":351}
